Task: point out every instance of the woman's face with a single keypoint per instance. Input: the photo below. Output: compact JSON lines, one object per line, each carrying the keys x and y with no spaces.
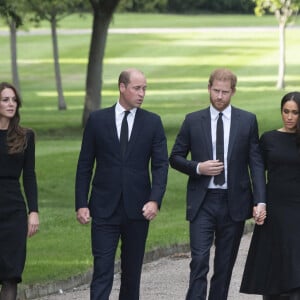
{"x":8,"y":103}
{"x":290,"y":116}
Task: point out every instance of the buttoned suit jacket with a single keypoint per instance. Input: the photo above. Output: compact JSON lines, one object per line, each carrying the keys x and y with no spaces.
{"x":245,"y":173}
{"x":113,"y":176}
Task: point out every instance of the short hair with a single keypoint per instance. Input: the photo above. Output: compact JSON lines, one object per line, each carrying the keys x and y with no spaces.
{"x":125,"y":75}
{"x":223,"y":75}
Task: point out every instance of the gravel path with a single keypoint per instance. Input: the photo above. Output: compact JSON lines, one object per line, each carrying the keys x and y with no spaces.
{"x":167,"y":279}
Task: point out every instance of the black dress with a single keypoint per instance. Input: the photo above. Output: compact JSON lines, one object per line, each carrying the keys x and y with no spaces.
{"x":273,"y":262}
{"x":13,"y":210}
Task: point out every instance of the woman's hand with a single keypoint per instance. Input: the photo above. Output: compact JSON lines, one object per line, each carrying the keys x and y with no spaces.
{"x":33,"y":223}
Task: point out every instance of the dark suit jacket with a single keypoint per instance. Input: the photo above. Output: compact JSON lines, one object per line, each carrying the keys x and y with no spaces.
{"x":113,"y":176}
{"x":243,"y":155}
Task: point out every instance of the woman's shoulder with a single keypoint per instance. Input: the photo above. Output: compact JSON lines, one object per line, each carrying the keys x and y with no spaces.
{"x":30,"y":134}
{"x":270,"y":133}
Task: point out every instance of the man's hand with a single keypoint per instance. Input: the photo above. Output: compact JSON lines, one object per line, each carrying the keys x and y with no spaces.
{"x":83,"y":215}
{"x":210,"y":167}
{"x":259,"y":213}
{"x":150,"y":210}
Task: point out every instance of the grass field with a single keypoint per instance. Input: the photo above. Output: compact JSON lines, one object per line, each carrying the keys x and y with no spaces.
{"x":177,"y":65}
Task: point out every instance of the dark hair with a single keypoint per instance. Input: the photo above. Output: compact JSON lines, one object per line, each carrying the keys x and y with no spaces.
{"x":293,"y":96}
{"x":16,"y":135}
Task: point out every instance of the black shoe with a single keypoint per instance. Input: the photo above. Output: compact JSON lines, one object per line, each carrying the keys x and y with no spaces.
{"x":295,"y":295}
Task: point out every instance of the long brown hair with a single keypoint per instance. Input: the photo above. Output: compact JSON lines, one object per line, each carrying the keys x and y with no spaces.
{"x":16,"y":135}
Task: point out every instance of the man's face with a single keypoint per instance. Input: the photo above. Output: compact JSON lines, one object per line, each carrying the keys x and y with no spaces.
{"x":220,"y":93}
{"x":132,"y":95}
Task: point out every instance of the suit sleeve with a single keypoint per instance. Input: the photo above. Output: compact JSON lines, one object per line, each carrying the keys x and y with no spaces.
{"x":85,"y":166}
{"x":159,"y":164}
{"x":182,"y":147}
{"x":256,"y":166}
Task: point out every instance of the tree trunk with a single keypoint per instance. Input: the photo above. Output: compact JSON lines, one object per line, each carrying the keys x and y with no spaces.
{"x":102,"y":14}
{"x":281,"y":66}
{"x":13,"y":54}
{"x":61,"y":100}
{"x":95,"y":65}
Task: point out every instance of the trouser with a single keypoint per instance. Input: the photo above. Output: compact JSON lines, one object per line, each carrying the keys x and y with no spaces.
{"x":106,"y":234}
{"x":213,"y":223}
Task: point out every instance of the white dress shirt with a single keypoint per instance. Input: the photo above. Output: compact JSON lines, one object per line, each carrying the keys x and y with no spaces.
{"x":119,"y":112}
{"x":214,"y":115}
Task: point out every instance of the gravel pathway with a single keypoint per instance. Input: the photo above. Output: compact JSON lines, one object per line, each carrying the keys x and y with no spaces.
{"x":167,"y":279}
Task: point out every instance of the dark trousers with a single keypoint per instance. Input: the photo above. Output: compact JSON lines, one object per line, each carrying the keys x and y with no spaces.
{"x":213,"y":224}
{"x":106,"y":234}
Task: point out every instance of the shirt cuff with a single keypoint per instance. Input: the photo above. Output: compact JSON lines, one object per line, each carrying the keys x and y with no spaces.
{"x":197,"y":169}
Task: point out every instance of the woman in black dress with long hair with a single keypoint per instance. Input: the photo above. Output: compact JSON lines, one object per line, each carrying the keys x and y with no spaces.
{"x":273,"y":264}
{"x":18,"y":219}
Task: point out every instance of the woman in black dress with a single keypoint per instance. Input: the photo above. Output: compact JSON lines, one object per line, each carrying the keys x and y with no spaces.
{"x":17,"y":156}
{"x":273,"y":264}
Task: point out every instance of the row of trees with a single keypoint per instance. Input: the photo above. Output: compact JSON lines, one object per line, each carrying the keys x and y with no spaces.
{"x":187,"y":6}
{"x":21,"y":12}
{"x":18,"y":13}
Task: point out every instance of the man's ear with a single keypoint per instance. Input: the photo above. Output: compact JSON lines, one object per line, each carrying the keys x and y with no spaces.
{"x":122,"y":87}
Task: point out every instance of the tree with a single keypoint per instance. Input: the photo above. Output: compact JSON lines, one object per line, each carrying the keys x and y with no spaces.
{"x":102,"y":14}
{"x":53,"y":11}
{"x":285,"y":11}
{"x":13,"y":13}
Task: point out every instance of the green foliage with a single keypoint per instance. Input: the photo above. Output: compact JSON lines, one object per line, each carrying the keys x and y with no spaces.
{"x":53,"y":9}
{"x":142,"y":6}
{"x":187,"y":6}
{"x":285,"y":11}
{"x":13,"y":11}
{"x":177,"y":65}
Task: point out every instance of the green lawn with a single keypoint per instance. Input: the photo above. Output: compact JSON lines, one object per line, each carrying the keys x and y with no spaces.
{"x":177,"y":66}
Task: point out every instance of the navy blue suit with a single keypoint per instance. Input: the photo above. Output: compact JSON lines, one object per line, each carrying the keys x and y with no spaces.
{"x":226,"y":210}
{"x":120,"y":189}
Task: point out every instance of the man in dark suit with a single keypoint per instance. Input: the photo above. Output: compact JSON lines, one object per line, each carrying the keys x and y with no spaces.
{"x":124,"y":198}
{"x":220,"y":190}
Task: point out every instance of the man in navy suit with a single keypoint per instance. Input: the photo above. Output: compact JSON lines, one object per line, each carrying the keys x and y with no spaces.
{"x":124,"y":197}
{"x":216,"y":209}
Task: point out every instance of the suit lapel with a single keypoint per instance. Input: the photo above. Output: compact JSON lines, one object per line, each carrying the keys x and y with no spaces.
{"x":112,"y":125}
{"x":206,"y":129}
{"x":136,"y":128}
{"x":234,"y":125}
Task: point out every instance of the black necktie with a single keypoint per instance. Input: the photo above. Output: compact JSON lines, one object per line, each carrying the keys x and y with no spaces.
{"x":220,"y":179}
{"x":124,"y":133}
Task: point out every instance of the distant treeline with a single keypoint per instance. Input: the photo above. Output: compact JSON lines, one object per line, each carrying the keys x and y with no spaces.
{"x":187,"y":6}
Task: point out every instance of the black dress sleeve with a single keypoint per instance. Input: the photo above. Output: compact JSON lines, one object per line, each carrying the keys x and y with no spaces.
{"x":29,"y":176}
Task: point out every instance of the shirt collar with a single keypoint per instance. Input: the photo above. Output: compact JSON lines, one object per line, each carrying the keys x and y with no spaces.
{"x":120,"y":109}
{"x":215,"y":113}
